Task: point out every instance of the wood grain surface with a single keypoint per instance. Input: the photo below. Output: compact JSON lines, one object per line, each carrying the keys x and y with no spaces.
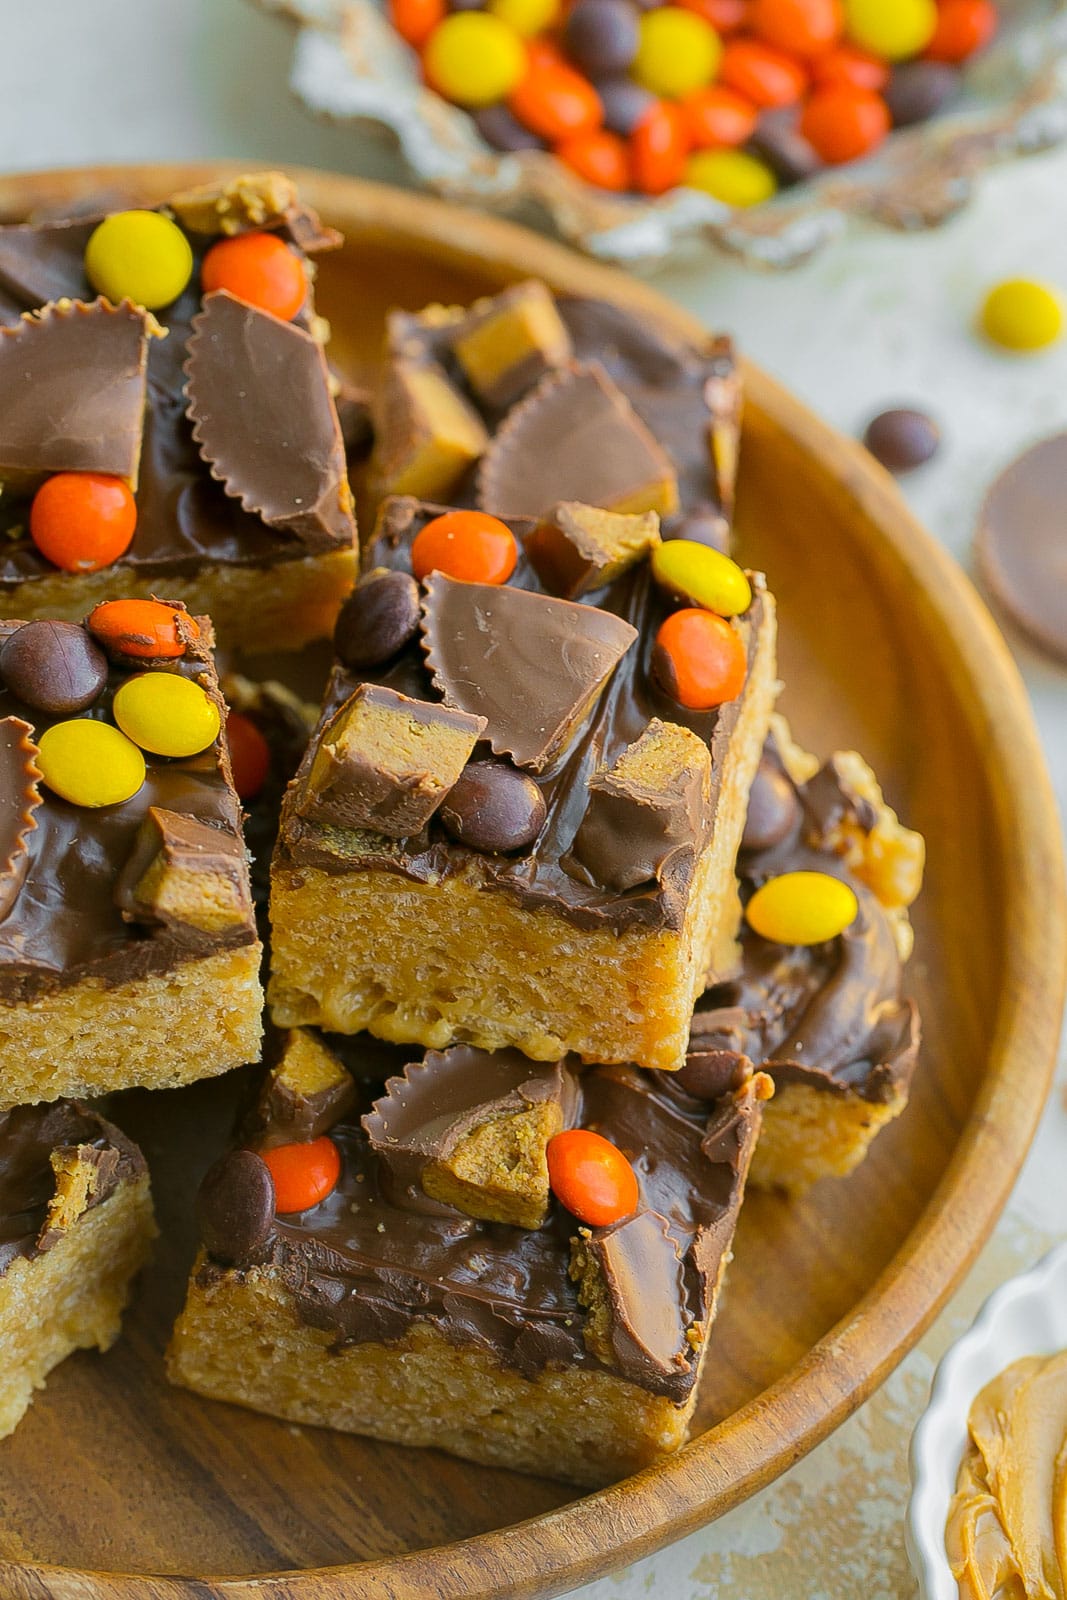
{"x":116,"y":1487}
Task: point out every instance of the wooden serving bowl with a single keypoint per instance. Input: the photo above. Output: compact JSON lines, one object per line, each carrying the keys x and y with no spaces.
{"x":117,"y":1486}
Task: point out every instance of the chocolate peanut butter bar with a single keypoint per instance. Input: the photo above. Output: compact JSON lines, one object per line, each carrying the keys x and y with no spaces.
{"x":830,"y":1023}
{"x":217,"y":414}
{"x":569,"y":889}
{"x":441,"y":1294}
{"x":75,"y":1227}
{"x":128,"y":947}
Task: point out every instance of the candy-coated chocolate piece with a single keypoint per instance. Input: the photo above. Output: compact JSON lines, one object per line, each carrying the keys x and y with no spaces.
{"x":169,"y":715}
{"x":705,"y":524}
{"x":591,"y":1177}
{"x":778,"y":142}
{"x":677,"y":53}
{"x":803,"y":27}
{"x":892,"y":29}
{"x":82,"y":521}
{"x":918,"y":90}
{"x":146,"y":630}
{"x":850,"y":65}
{"x":303,"y":1174}
{"x":600,"y":157}
{"x":718,"y":118}
{"x":503,"y":131}
{"x":725,"y":16}
{"x":377,"y":620}
{"x":493,"y":807}
{"x":699,"y":659}
{"x":762,"y":74}
{"x":601,"y":36}
{"x":697,"y":576}
{"x":658,"y":148}
{"x":260,"y":269}
{"x":235,"y":1206}
{"x":963,"y":28}
{"x":415,"y":20}
{"x":842,"y":123}
{"x":556,"y":101}
{"x":624,"y":103}
{"x":90,"y":763}
{"x":773,"y":808}
{"x":1020,"y":314}
{"x":53,"y":666}
{"x":249,"y":755}
{"x":902,"y":439}
{"x":527,"y":17}
{"x":139,"y":256}
{"x":474,"y":58}
{"x":802,"y":908}
{"x":469,"y":545}
{"x":732,"y":176}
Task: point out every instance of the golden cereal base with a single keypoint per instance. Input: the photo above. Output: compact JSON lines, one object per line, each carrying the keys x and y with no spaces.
{"x":811,"y":1133}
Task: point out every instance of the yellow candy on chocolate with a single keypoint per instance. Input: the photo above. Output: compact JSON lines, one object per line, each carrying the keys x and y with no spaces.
{"x":167,"y":714}
{"x":139,"y":256}
{"x":802,"y":908}
{"x":90,"y":763}
{"x":701,"y":576}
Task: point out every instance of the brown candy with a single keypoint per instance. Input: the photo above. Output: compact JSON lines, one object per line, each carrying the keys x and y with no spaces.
{"x":55,"y":667}
{"x":902,"y":439}
{"x":919,"y":90}
{"x":773,"y":808}
{"x":494,"y":807}
{"x":235,"y":1206}
{"x":709,"y":1074}
{"x":377,"y":620}
{"x":705,"y":525}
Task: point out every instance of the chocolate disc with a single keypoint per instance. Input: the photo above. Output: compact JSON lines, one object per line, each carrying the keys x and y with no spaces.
{"x":773,"y":809}
{"x":235,"y":1206}
{"x":1022,"y":542}
{"x":918,"y":90}
{"x":601,"y":36}
{"x":493,"y":807}
{"x":56,"y":667}
{"x":377,"y":620}
{"x":902,"y":439}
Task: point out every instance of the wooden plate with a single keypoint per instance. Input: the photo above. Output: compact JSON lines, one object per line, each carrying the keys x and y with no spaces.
{"x":117,"y":1486}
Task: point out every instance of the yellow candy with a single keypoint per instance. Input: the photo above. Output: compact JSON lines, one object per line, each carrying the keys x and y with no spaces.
{"x":139,"y":256}
{"x":474,"y":58}
{"x":677,"y":53}
{"x":732,"y":176}
{"x":802,"y":908}
{"x":90,"y":763}
{"x":701,"y":577}
{"x":893,"y":29}
{"x":527,"y":17}
{"x":1021,"y":315}
{"x":167,"y":714}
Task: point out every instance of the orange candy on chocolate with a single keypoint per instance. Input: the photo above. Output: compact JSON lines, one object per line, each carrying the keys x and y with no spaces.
{"x":600,"y":157}
{"x":260,"y":269}
{"x":469,"y":545}
{"x":249,"y":755}
{"x":556,"y":102}
{"x":303,"y":1174}
{"x":658,"y":148}
{"x":591,"y":1177}
{"x":82,"y":521}
{"x":144,"y":629}
{"x":842,"y":124}
{"x":802,"y":27}
{"x":963,"y":28}
{"x":761,"y":73}
{"x":718,"y":118}
{"x":699,"y":659}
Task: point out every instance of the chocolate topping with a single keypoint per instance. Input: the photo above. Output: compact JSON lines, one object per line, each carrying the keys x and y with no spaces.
{"x":55,"y":667}
{"x":530,"y":665}
{"x":72,"y":392}
{"x":290,"y":468}
{"x":493,"y":807}
{"x":19,"y":799}
{"x":235,"y":1206}
{"x":1022,"y":542}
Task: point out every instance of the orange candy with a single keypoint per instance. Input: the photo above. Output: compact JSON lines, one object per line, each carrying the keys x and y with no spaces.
{"x":415,"y":20}
{"x":765,"y":75}
{"x":469,"y":545}
{"x":591,"y":1177}
{"x":249,"y":755}
{"x":556,"y":102}
{"x":717,"y":118}
{"x":803,"y":27}
{"x":601,"y":158}
{"x":260,"y":269}
{"x":303,"y":1174}
{"x":963,"y":27}
{"x":146,"y":629}
{"x":842,"y":124}
{"x":658,"y":148}
{"x":82,"y":521}
{"x":725,"y":16}
{"x":852,"y":66}
{"x":699,"y":659}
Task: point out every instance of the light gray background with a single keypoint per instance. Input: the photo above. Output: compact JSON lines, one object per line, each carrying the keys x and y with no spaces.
{"x":881,"y":319}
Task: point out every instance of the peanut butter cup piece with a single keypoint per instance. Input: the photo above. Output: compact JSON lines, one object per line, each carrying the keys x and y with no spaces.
{"x":306,"y":1093}
{"x":507,"y":343}
{"x":19,"y":776}
{"x":630,"y":1280}
{"x":426,"y":434}
{"x":185,"y":876}
{"x":577,"y":548}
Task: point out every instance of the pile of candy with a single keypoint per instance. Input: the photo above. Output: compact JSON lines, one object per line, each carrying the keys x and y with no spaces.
{"x":732,"y":97}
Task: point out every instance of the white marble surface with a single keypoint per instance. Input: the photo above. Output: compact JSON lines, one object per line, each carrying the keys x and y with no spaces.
{"x":882,"y":319}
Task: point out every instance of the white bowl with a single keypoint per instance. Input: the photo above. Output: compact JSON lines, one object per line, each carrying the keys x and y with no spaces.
{"x":1027,"y":1316}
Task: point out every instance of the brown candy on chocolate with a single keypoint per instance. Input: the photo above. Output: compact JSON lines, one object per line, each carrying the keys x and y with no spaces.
{"x":291,"y":469}
{"x":578,"y":548}
{"x":493,"y":807}
{"x":630,"y":1279}
{"x":529,"y":665}
{"x":55,"y":667}
{"x":773,"y":808}
{"x":576,"y":437}
{"x":648,"y":807}
{"x":426,"y":434}
{"x":235,"y":1206}
{"x":1022,"y":540}
{"x":709,"y":1074}
{"x":19,"y":776}
{"x":505,"y":344}
{"x":72,"y":392}
{"x":386,"y":762}
{"x":378,"y":619}
{"x":705,"y":525}
{"x":306,"y":1092}
{"x":185,"y":876}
